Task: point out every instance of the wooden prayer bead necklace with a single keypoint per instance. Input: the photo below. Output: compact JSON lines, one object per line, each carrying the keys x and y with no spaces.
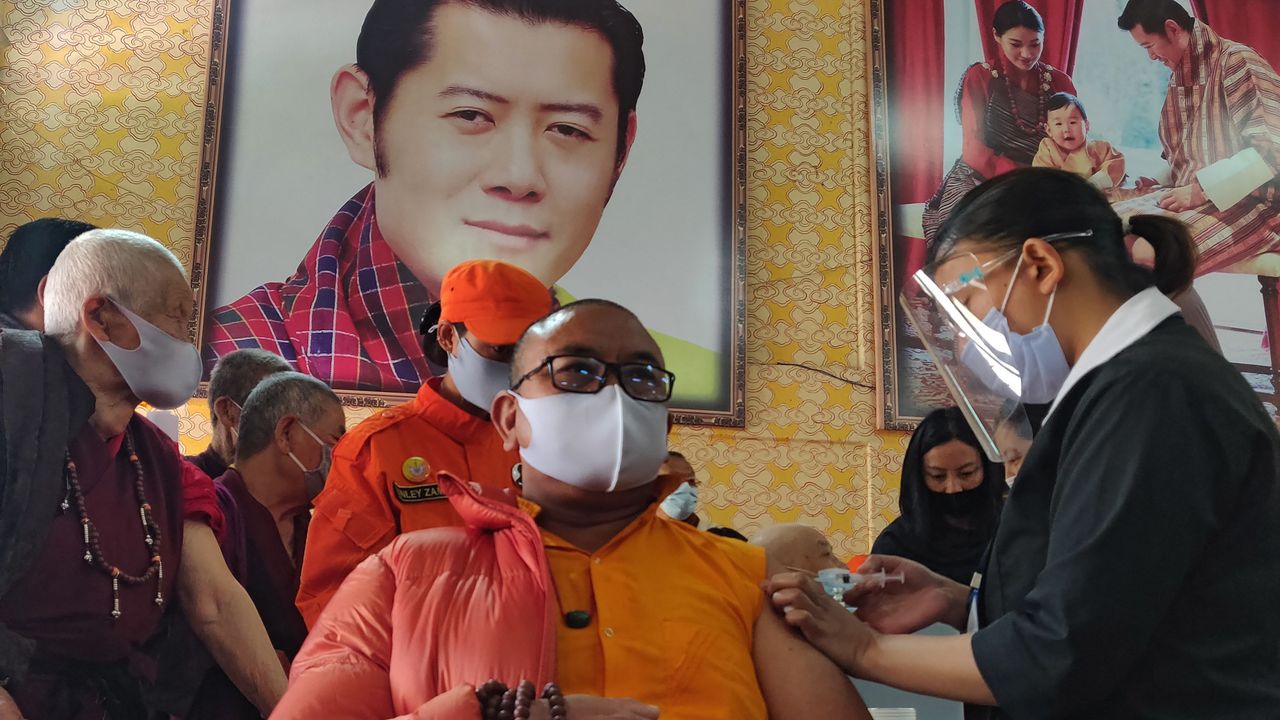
{"x":92,"y":551}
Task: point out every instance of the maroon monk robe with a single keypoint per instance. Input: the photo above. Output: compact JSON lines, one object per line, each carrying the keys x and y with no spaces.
{"x":260,"y":561}
{"x":209,"y":462}
{"x":272,"y":579}
{"x":64,"y":603}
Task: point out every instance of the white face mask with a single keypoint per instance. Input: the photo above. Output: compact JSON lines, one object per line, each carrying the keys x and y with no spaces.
{"x":162,"y":371}
{"x":478,"y":378}
{"x":603,"y":442}
{"x":682,"y":503}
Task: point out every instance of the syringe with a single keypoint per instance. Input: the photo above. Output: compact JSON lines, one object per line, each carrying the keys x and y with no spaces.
{"x":836,"y":581}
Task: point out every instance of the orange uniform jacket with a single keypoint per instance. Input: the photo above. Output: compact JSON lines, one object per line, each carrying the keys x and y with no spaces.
{"x":382,"y":484}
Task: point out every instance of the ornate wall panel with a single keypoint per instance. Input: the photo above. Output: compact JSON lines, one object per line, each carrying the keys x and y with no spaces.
{"x":101,"y":103}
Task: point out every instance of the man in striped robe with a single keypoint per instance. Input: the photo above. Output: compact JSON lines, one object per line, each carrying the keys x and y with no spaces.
{"x":1220,"y":131}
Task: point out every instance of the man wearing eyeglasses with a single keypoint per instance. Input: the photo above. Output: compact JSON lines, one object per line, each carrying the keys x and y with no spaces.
{"x":581,"y":583}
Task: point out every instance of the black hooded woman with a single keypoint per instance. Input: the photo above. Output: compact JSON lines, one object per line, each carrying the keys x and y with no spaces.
{"x":949,"y":499}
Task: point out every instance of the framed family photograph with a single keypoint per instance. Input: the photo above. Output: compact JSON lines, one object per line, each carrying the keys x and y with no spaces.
{"x":1168,"y":107}
{"x":350,"y":161}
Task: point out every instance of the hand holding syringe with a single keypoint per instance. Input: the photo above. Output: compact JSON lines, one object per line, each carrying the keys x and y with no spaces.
{"x":837,"y":581}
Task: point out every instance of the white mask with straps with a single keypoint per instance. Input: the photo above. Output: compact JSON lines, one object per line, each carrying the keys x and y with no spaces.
{"x":478,"y":379}
{"x":603,"y":442}
{"x":162,"y":371}
{"x":313,"y":480}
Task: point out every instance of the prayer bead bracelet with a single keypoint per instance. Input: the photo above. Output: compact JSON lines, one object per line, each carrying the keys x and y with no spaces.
{"x":499,"y":702}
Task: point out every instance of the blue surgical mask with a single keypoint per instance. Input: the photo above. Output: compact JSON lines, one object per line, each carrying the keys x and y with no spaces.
{"x":682,"y":503}
{"x":836,"y":582}
{"x":1037,"y":356}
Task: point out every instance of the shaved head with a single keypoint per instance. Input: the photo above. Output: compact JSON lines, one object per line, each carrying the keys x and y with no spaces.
{"x":798,"y":547}
{"x":605,"y":332}
{"x":679,"y":466}
{"x":237,"y":373}
{"x":562,"y":332}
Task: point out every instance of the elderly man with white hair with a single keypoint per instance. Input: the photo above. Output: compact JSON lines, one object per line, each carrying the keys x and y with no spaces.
{"x":104,"y":525}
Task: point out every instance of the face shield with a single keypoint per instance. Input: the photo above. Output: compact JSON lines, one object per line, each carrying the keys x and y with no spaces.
{"x":975,"y":360}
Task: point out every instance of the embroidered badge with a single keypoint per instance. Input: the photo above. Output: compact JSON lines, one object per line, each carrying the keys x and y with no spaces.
{"x":409,"y":495}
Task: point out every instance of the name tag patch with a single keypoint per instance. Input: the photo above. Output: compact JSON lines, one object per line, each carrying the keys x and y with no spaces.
{"x":418,"y":493}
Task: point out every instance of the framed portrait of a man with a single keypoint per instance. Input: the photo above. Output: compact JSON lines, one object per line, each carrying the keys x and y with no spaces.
{"x":1168,"y":107}
{"x":356,"y":150}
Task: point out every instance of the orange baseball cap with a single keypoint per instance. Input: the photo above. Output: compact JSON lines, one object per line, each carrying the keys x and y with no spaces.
{"x":496,"y":301}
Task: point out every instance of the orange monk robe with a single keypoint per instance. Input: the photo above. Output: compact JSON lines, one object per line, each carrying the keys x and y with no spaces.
{"x":670,"y":618}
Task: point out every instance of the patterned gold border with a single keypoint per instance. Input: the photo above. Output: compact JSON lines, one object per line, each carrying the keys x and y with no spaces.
{"x":887,"y":406}
{"x":207,"y":178}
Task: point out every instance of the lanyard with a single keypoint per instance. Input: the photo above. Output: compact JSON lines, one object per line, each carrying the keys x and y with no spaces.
{"x":975,"y":583}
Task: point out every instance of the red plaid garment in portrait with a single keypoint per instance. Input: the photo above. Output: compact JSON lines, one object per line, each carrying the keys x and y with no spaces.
{"x":348,"y":315}
{"x":1223,"y":99}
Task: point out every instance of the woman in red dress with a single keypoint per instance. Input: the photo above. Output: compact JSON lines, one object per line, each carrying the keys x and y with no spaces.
{"x":1001,"y":105}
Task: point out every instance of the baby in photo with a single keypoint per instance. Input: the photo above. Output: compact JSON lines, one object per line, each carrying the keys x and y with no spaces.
{"x":1068,"y":147}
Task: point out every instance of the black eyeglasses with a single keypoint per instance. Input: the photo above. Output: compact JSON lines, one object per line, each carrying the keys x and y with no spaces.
{"x":578,"y":374}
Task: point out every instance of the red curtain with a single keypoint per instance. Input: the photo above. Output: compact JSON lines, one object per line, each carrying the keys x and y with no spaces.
{"x":1061,"y":29}
{"x":915,"y":72}
{"x":1250,"y":22}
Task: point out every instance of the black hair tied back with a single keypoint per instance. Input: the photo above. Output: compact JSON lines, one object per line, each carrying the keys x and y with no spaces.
{"x":1002,"y":214}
